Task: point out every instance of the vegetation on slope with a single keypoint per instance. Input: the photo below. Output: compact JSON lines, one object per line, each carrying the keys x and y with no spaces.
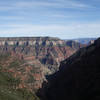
{"x":9,"y":88}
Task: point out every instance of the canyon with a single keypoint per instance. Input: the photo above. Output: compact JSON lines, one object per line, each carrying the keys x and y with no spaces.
{"x":46,"y":68}
{"x":30,"y":59}
{"x":78,"y":77}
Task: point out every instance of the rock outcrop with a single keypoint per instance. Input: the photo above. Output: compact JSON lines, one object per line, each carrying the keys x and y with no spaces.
{"x":78,"y":77}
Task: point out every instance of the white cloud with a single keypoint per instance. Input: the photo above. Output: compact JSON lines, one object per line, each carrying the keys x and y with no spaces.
{"x":29,"y":11}
{"x":20,"y":5}
{"x":11,"y":18}
{"x":57,"y":4}
{"x":63,"y":31}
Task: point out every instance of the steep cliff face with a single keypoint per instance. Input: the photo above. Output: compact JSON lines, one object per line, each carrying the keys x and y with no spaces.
{"x":30,"y":59}
{"x":49,"y":51}
{"x":78,"y":77}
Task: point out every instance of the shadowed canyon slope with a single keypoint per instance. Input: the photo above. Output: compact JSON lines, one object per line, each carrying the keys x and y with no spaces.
{"x":78,"y":77}
{"x":30,"y":59}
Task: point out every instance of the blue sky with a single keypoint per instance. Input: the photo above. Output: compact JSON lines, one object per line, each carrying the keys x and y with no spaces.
{"x":56,"y":18}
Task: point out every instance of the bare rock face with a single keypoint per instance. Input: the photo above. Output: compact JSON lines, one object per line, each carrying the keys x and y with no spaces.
{"x":49,"y":51}
{"x":30,"y":59}
{"x":78,"y":77}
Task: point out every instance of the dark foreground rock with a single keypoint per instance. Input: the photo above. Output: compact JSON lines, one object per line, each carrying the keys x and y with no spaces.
{"x":78,"y":77}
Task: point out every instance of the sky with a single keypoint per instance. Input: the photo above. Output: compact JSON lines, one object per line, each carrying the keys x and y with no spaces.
{"x":65,"y":19}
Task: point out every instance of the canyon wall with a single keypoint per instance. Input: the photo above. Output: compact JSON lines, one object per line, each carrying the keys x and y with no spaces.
{"x":32,"y":58}
{"x":78,"y":77}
